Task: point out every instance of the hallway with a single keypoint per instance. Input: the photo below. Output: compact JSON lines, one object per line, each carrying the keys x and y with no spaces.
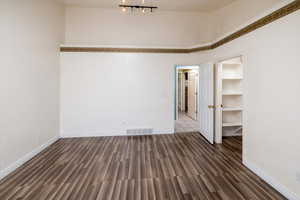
{"x":185,"y":124}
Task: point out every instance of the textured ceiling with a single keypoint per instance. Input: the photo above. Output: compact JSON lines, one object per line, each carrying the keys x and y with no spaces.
{"x":173,"y":5}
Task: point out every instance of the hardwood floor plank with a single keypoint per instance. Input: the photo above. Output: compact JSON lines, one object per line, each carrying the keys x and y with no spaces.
{"x":154,"y":167}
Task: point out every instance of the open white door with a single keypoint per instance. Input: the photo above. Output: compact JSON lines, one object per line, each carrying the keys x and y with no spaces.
{"x":192,"y":94}
{"x":206,"y":101}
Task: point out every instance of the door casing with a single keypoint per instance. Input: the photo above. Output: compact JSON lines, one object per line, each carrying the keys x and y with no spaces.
{"x":211,"y":100}
{"x":177,"y":68}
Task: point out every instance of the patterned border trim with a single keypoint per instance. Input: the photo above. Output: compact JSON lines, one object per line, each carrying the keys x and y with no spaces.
{"x":284,"y":11}
{"x":122,"y":50}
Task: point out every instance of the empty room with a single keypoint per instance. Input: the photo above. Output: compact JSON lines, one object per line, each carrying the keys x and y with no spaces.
{"x":150,"y":100}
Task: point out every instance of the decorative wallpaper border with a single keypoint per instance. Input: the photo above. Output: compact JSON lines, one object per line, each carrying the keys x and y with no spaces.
{"x":286,"y":10}
{"x":122,"y":50}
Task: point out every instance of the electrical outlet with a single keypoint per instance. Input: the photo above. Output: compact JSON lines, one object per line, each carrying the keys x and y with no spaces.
{"x":298,"y":177}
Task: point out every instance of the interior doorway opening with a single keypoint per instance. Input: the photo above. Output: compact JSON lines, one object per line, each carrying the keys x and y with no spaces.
{"x":229,"y":100}
{"x":202,"y":107}
{"x":187,"y":100}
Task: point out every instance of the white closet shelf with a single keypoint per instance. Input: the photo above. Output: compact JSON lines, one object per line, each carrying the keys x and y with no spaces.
{"x":230,"y":95}
{"x":232,"y":124}
{"x":232,"y":109}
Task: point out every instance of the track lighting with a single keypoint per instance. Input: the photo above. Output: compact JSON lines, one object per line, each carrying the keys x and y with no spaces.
{"x":137,"y":7}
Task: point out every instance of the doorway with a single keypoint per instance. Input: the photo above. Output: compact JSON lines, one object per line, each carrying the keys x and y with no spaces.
{"x":229,"y":99}
{"x":187,"y":102}
{"x":196,"y":114}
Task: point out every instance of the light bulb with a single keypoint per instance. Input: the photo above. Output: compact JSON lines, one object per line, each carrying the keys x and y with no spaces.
{"x":143,"y":10}
{"x":143,"y":1}
{"x":123,"y":1}
{"x":124,"y":9}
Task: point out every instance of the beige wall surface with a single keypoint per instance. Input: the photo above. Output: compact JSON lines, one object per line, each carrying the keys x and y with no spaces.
{"x":31,"y":32}
{"x":271,"y":98}
{"x":95,"y":26}
{"x":241,"y":13}
{"x":91,"y":27}
{"x":107,"y":93}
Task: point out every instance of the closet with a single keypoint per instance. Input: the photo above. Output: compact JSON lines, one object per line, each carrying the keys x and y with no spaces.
{"x":229,"y":99}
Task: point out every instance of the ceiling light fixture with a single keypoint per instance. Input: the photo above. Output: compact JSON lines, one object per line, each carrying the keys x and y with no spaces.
{"x":138,"y":7}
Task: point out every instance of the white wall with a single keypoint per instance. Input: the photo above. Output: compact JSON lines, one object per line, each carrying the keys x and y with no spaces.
{"x":107,"y":93}
{"x":241,"y":13}
{"x":31,"y":32}
{"x":95,"y":26}
{"x":91,"y":27}
{"x":271,"y":99}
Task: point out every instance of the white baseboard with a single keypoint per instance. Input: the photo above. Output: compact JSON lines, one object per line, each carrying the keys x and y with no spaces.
{"x":108,"y":134}
{"x":270,"y":180}
{"x":27,"y":157}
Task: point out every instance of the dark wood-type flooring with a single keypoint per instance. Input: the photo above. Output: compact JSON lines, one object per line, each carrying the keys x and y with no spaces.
{"x":160,"y":167}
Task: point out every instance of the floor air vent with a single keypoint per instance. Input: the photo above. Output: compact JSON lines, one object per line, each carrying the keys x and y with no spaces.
{"x":140,"y":131}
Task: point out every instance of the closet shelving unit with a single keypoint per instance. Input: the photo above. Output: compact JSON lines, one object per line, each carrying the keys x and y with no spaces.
{"x":230,"y":97}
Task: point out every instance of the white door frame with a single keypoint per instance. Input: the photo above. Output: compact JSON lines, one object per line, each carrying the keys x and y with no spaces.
{"x":177,"y":68}
{"x":218,"y":97}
